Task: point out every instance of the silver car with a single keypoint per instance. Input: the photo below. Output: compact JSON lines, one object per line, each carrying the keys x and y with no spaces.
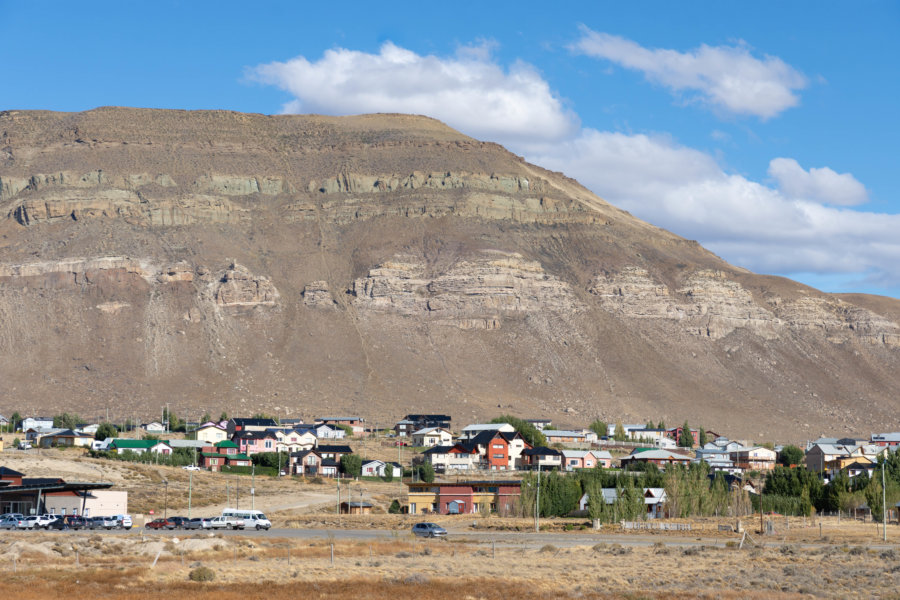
{"x":428,"y":530}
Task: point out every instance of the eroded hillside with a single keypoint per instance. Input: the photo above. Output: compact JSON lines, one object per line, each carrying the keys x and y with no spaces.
{"x":386,"y":264}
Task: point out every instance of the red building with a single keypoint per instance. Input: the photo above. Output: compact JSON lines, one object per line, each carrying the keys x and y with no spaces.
{"x":463,"y":497}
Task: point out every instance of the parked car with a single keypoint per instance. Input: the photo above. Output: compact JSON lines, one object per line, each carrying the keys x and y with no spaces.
{"x":94,"y":522}
{"x":226,"y":523}
{"x":75,"y":521}
{"x":24,"y":446}
{"x":179,"y":522}
{"x":10,"y":522}
{"x":30,"y":522}
{"x":192,"y":468}
{"x":123,"y":521}
{"x":59,"y":524}
{"x":428,"y":530}
{"x":161,"y":524}
{"x":195,"y":523}
{"x":46,"y":520}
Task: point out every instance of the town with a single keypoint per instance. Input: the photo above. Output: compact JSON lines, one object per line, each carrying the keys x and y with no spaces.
{"x":611,"y":472}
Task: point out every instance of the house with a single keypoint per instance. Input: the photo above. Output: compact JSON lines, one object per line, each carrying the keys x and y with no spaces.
{"x":757,"y":458}
{"x":543,"y":458}
{"x":654,"y":499}
{"x":661,"y":458}
{"x":122,"y":445}
{"x":560,"y":436}
{"x":255,"y":442}
{"x":470,"y":431}
{"x":586,"y":459}
{"x":890,"y":440}
{"x":458,"y":457}
{"x":356,"y":424}
{"x":463,"y":497}
{"x":66,"y":437}
{"x":34,"y":435}
{"x":499,"y":450}
{"x":237,"y":425}
{"x":221,"y":454}
{"x":356,"y":508}
{"x":294,"y":440}
{"x":861,"y":467}
{"x":611,"y":428}
{"x":717,"y":458}
{"x":333,"y":451}
{"x":310,"y":463}
{"x":540,"y":424}
{"x":647,"y":435}
{"x":834,"y":454}
{"x":326,"y":431}
{"x":154,"y":427}
{"x":410,"y":423}
{"x":378,"y":468}
{"x":432,"y":436}
{"x":210,"y":432}
{"x":87,"y":429}
{"x":37,"y":423}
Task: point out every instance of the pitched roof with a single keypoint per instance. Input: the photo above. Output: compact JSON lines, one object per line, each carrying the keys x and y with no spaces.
{"x":225,"y":444}
{"x":127,"y":443}
{"x":541,"y":451}
{"x":341,"y":449}
{"x":254,"y":422}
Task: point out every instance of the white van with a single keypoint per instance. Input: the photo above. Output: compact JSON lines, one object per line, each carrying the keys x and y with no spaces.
{"x":252,"y":518}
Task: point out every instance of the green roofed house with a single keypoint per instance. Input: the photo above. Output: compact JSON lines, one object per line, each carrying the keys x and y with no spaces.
{"x":224,"y":453}
{"x":121,"y":445}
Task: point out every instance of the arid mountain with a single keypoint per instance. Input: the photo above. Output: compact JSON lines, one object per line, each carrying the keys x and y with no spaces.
{"x":386,"y":264}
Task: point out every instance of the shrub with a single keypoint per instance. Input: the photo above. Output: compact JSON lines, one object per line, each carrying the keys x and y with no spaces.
{"x":395,"y":507}
{"x":548,"y":548}
{"x":202,"y":574}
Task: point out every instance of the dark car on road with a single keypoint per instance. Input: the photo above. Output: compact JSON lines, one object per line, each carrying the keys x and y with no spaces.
{"x":428,"y":530}
{"x":195,"y":523}
{"x":161,"y":524}
{"x":68,"y":522}
{"x":180,"y":522}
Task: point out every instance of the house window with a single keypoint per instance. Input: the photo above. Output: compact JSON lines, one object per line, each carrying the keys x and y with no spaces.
{"x":498,"y":446}
{"x":499,"y":456}
{"x":268,"y":443}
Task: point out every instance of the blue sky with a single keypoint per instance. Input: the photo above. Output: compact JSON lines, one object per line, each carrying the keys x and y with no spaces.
{"x":767,"y":131}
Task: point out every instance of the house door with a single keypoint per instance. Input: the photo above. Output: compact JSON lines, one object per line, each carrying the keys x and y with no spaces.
{"x":455,"y":507}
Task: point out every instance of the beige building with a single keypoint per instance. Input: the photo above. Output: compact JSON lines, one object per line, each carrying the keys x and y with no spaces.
{"x":212,"y":433}
{"x":432,"y":436}
{"x":98,"y":503}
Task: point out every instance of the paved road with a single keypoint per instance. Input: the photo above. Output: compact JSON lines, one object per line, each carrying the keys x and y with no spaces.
{"x":499,"y":538}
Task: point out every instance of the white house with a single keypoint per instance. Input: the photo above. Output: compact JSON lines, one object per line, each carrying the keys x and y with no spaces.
{"x":37,"y":423}
{"x":154,"y":427}
{"x":378,"y":468}
{"x":654,"y":499}
{"x":295,"y":440}
{"x":210,"y":432}
{"x":470,"y":431}
{"x":432,"y":436}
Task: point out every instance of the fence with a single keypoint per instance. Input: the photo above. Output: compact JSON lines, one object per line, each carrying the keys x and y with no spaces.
{"x":656,"y":525}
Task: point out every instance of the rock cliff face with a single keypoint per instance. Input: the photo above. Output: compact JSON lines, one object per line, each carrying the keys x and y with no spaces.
{"x":386,"y":264}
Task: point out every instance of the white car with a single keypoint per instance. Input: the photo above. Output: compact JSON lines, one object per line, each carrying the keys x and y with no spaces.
{"x":226,"y":523}
{"x":45,"y":520}
{"x":123,"y":521}
{"x":30,"y":522}
{"x":192,"y":468}
{"x":24,"y":446}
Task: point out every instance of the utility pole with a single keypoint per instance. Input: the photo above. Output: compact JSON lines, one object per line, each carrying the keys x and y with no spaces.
{"x":537,"y":503}
{"x":883,"y":501}
{"x":252,"y":486}
{"x":190,"y":489}
{"x":237,"y":492}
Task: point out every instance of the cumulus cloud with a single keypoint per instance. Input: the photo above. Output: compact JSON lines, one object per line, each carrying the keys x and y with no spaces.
{"x":728,"y":77}
{"x":469,"y":91}
{"x":817,"y":185}
{"x":746,"y":222}
{"x":799,"y":225}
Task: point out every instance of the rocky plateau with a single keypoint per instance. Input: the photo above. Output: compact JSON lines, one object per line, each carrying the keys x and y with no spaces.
{"x":386,"y":264}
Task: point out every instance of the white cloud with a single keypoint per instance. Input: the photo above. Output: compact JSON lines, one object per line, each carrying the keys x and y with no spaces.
{"x":797,"y":227}
{"x":817,"y":185}
{"x":746,"y":222}
{"x":728,"y":77}
{"x":468,"y":91}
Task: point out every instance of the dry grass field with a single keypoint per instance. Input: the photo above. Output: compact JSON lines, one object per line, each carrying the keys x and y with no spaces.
{"x":75,"y":565}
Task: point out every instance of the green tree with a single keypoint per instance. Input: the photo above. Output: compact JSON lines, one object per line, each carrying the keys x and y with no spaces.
{"x":67,"y":421}
{"x":223,"y":416}
{"x":106,"y":430}
{"x":351,"y":464}
{"x":15,"y":421}
{"x":661,"y":424}
{"x":619,"y":433}
{"x":874,"y":499}
{"x":395,"y":507}
{"x":790,"y":455}
{"x":426,"y":472}
{"x":206,"y":418}
{"x":388,"y":472}
{"x":528,"y":431}
{"x":701,"y":437}
{"x":686,"y":440}
{"x":599,"y":427}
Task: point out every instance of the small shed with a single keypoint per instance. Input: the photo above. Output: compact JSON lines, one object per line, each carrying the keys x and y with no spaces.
{"x":356,"y":508}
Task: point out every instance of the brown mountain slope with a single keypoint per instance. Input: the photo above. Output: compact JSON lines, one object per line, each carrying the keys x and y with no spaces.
{"x":386,"y":264}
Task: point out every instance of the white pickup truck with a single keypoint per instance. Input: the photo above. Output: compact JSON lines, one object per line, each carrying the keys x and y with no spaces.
{"x":226,"y":523}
